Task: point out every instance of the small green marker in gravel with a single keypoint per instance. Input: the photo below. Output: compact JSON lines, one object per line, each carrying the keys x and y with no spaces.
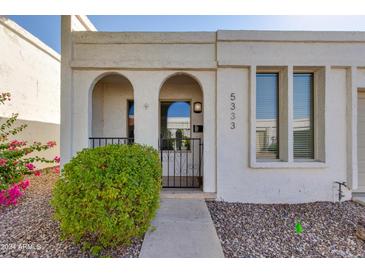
{"x":298,"y":227}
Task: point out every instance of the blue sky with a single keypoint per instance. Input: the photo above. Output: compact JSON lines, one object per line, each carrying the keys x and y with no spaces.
{"x":47,"y":28}
{"x":179,"y":109}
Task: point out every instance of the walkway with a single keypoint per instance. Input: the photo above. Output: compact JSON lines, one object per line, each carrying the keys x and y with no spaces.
{"x":183,"y":228}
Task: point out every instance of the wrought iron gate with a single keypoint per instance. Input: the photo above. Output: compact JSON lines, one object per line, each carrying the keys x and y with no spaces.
{"x":181,"y":160}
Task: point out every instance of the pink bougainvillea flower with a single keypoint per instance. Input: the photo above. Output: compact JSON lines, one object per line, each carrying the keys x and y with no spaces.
{"x":57,"y":159}
{"x":11,"y":195}
{"x":37,"y":173}
{"x":2,"y":197}
{"x":30,"y":166}
{"x":51,"y":143}
{"x":3,"y":162}
{"x":24,"y":184}
{"x":56,"y":169}
{"x":13,"y":165}
{"x":12,"y":148}
{"x":15,"y":191}
{"x":14,"y":143}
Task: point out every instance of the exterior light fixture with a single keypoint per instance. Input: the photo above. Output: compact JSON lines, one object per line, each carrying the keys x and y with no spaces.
{"x":198,"y":107}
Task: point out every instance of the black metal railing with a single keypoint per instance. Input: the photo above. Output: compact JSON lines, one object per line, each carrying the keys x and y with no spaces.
{"x":103,"y":141}
{"x":181,"y":160}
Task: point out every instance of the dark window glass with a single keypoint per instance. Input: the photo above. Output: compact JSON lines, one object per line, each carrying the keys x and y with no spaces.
{"x":130,"y":119}
{"x":267,"y":137}
{"x":303,"y":116}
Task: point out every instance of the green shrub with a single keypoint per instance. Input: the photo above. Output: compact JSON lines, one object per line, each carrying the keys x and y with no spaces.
{"x":108,"y":195}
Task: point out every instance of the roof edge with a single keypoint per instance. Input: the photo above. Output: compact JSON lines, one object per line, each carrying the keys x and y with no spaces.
{"x":86,"y":23}
{"x":290,"y":36}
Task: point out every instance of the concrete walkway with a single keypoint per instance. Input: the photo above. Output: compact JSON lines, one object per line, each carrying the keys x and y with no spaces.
{"x":183,"y":229}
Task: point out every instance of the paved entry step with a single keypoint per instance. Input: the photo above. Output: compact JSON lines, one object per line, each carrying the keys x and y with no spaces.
{"x":182,"y":228}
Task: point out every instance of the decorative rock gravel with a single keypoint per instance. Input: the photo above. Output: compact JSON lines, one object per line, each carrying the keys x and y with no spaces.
{"x":254,"y":230}
{"x":28,"y":229}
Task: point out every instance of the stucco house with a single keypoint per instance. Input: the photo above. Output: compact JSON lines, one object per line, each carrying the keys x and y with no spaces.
{"x":249,"y":116}
{"x":30,"y":71}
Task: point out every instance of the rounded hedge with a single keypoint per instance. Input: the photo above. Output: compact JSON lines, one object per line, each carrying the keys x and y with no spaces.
{"x":108,"y":195}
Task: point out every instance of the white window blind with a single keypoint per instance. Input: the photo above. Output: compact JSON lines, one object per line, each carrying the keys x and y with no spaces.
{"x":303,"y":132}
{"x":267,"y":137}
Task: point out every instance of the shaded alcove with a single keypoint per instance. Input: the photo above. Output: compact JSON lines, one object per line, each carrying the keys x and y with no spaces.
{"x":112,"y":108}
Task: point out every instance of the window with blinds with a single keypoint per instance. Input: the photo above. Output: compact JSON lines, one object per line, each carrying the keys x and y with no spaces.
{"x":303,"y":129}
{"x":267,"y":137}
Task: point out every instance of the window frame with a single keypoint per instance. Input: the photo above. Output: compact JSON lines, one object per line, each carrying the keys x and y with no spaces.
{"x":277,"y":73}
{"x":286,"y":111}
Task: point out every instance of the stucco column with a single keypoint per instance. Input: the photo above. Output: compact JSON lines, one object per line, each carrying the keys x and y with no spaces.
{"x":66,"y":91}
{"x":69,"y":136}
{"x":81,"y":113}
{"x":146,"y":109}
{"x":208,"y":82}
{"x":232,"y":142}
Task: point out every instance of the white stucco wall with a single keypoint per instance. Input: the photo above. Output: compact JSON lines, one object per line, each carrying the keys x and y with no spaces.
{"x":30,"y":71}
{"x":236,"y":181}
{"x":223,"y":63}
{"x":336,"y":56}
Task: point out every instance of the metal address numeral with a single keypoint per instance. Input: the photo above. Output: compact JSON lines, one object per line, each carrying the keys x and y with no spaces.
{"x":233,"y":110}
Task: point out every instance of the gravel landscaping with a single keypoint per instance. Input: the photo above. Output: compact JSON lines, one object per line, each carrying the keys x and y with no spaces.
{"x":28,"y":229}
{"x":253,"y":230}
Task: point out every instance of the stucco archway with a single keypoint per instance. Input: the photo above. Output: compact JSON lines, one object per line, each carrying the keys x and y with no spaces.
{"x":181,"y":131}
{"x":112,"y":110}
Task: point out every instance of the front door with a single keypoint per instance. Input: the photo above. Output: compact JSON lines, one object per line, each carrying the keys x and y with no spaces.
{"x":181,"y":154}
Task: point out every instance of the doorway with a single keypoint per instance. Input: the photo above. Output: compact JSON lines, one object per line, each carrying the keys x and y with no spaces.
{"x":181,"y":133}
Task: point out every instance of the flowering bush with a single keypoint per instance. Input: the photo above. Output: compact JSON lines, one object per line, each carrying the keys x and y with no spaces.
{"x":15,"y":161}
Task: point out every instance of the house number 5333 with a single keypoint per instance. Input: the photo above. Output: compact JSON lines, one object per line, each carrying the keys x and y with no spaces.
{"x":233,"y":110}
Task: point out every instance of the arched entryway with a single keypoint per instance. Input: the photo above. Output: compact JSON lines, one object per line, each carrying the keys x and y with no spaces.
{"x":112,"y":111}
{"x":181,"y":132}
